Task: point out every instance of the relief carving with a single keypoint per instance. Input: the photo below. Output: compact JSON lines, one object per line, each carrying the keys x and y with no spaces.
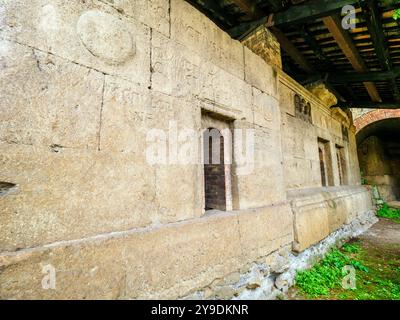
{"x":106,"y":37}
{"x":303,"y":109}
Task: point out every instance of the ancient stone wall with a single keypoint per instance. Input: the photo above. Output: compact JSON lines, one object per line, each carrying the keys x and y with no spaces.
{"x":263,"y":43}
{"x":300,"y":136}
{"x":90,"y":91}
{"x":82,"y":84}
{"x":322,"y":201}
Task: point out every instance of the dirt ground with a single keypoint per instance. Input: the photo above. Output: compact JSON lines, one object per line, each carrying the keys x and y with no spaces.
{"x":384,"y":232}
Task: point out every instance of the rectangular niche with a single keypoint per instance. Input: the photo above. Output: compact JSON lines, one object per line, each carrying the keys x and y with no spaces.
{"x":303,"y":109}
{"x":325,"y":160}
{"x":342,"y":165}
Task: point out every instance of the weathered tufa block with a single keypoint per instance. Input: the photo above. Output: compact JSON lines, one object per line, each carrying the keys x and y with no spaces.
{"x":94,"y":25}
{"x":47,"y":100}
{"x":266,"y":110}
{"x":202,"y":37}
{"x":311,"y":226}
{"x":89,"y":33}
{"x":181,"y":73}
{"x":66,"y":194}
{"x":260,"y":234}
{"x":153,"y":13}
{"x":176,"y":70}
{"x":259,"y":74}
{"x":147,"y":264}
{"x":318,"y":213}
{"x":131,"y":112}
{"x":260,"y":182}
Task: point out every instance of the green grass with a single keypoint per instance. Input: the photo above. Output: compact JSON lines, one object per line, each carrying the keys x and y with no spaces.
{"x":396,"y":14}
{"x":386,"y":212}
{"x":328,"y":273}
{"x":375,"y":279}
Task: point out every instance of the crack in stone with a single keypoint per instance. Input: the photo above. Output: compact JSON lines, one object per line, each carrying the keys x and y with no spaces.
{"x":151,"y":59}
{"x":68,"y":60}
{"x":101,"y":113}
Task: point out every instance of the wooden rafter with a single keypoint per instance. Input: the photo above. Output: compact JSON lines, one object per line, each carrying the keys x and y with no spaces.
{"x":373,"y":18}
{"x":248,"y":7}
{"x":291,"y":50}
{"x":371,"y":105}
{"x":313,"y":44}
{"x":312,"y":9}
{"x":349,"y":49}
{"x":356,"y":63}
{"x":343,"y":78}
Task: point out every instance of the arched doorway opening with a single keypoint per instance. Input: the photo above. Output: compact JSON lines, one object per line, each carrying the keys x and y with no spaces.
{"x":379,"y":156}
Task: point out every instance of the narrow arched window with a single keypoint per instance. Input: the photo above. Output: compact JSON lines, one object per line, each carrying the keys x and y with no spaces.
{"x":214,"y":170}
{"x":341,"y":163}
{"x":322,"y":166}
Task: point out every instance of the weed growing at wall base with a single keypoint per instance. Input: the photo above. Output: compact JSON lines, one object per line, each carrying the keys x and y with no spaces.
{"x":373,"y":278}
{"x":327,"y":274}
{"x":386,"y":212}
{"x":396,"y":12}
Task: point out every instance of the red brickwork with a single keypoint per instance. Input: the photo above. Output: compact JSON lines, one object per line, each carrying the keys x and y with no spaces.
{"x":374,"y":116}
{"x":263,"y":43}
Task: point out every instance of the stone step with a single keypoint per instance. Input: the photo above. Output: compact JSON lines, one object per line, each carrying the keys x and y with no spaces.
{"x":394,"y":204}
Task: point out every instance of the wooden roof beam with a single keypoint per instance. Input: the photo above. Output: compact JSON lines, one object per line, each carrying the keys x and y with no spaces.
{"x":372,"y":91}
{"x":248,"y":7}
{"x":373,"y":18}
{"x":343,"y":78}
{"x":310,"y":10}
{"x":313,"y":44}
{"x":349,"y":49}
{"x":292,"y":51}
{"x":370,"y":105}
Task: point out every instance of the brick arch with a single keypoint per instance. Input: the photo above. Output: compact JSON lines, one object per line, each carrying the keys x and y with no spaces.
{"x":374,"y":116}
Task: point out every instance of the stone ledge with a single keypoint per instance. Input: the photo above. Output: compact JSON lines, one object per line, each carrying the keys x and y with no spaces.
{"x":272,"y":276}
{"x":319,"y":212}
{"x":394,"y":204}
{"x":164,"y":262}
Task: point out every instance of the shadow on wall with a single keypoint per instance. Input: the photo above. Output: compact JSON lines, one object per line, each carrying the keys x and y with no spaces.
{"x":379,"y":155}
